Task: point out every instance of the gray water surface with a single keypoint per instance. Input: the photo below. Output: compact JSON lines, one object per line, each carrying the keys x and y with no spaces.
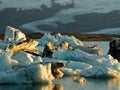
{"x":68,"y":83}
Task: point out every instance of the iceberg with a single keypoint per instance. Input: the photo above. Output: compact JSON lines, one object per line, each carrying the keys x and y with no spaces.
{"x":13,"y":35}
{"x":58,"y":38}
{"x":31,"y":74}
{"x":21,"y":68}
{"x":19,"y":64}
{"x":90,"y":65}
{"x":22,"y":61}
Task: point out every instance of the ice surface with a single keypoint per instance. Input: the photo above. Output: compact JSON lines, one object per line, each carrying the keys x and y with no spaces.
{"x":23,"y":58}
{"x":98,"y":66}
{"x":58,"y":38}
{"x":5,"y":61}
{"x":31,"y":74}
{"x":13,"y":35}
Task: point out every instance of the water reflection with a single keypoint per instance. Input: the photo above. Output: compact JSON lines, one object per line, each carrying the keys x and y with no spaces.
{"x":70,"y":83}
{"x":49,"y":87}
{"x":114,"y":84}
{"x":32,"y":87}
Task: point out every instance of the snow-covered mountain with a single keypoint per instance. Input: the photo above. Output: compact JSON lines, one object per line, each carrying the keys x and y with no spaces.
{"x":75,"y":16}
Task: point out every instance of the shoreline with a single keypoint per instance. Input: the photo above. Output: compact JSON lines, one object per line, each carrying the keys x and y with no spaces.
{"x":82,"y":37}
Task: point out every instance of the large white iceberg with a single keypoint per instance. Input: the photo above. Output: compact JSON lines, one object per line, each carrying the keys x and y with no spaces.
{"x":30,"y":74}
{"x":89,"y":65}
{"x":21,"y":66}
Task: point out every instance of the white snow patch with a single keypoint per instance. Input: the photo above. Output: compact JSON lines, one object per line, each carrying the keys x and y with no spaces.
{"x":106,"y":31}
